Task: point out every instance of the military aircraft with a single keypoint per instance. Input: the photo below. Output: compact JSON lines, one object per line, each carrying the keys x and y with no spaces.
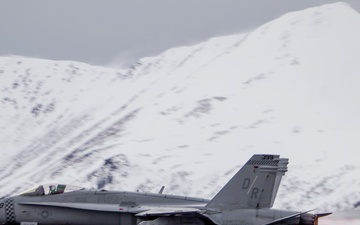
{"x":247,"y":199}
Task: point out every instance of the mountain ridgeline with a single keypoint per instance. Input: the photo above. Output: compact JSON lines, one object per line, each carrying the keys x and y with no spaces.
{"x":190,"y":117}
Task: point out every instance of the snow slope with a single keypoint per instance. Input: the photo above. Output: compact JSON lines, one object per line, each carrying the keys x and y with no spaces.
{"x":190,"y":117}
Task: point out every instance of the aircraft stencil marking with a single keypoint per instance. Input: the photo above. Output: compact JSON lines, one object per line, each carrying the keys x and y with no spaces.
{"x":254,"y":193}
{"x":115,"y":199}
{"x":44,"y":214}
{"x":267,"y":157}
{"x":246,"y":183}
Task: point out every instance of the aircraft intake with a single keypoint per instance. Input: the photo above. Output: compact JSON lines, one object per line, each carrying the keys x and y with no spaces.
{"x":308,"y":219}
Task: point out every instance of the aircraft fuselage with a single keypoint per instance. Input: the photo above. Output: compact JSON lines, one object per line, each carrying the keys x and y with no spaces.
{"x":87,"y":207}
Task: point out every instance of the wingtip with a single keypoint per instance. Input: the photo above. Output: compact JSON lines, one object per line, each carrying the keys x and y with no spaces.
{"x":323,"y":214}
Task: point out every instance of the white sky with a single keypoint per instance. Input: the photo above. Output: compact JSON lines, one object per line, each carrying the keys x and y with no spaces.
{"x":121,"y":31}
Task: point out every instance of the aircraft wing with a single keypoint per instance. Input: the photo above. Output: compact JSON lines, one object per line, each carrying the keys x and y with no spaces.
{"x":287,"y":217}
{"x":141,"y":211}
{"x":164,"y":211}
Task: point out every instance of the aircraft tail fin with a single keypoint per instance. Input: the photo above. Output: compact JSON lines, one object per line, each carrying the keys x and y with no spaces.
{"x":255,"y":185}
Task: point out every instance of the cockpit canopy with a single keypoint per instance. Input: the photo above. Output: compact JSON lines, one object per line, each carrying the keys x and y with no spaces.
{"x":50,"y":189}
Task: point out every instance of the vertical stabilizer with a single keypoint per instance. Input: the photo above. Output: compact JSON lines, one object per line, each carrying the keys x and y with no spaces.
{"x":255,"y":185}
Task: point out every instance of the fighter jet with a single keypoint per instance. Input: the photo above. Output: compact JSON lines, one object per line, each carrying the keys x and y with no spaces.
{"x":247,"y":199}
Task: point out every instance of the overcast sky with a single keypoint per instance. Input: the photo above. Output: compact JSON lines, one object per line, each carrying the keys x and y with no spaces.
{"x":107,"y":31}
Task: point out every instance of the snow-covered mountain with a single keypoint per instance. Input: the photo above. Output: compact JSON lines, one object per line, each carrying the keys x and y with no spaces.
{"x":190,"y":117}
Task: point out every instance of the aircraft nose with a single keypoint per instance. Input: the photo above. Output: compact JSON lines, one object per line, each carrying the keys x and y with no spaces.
{"x":2,"y":211}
